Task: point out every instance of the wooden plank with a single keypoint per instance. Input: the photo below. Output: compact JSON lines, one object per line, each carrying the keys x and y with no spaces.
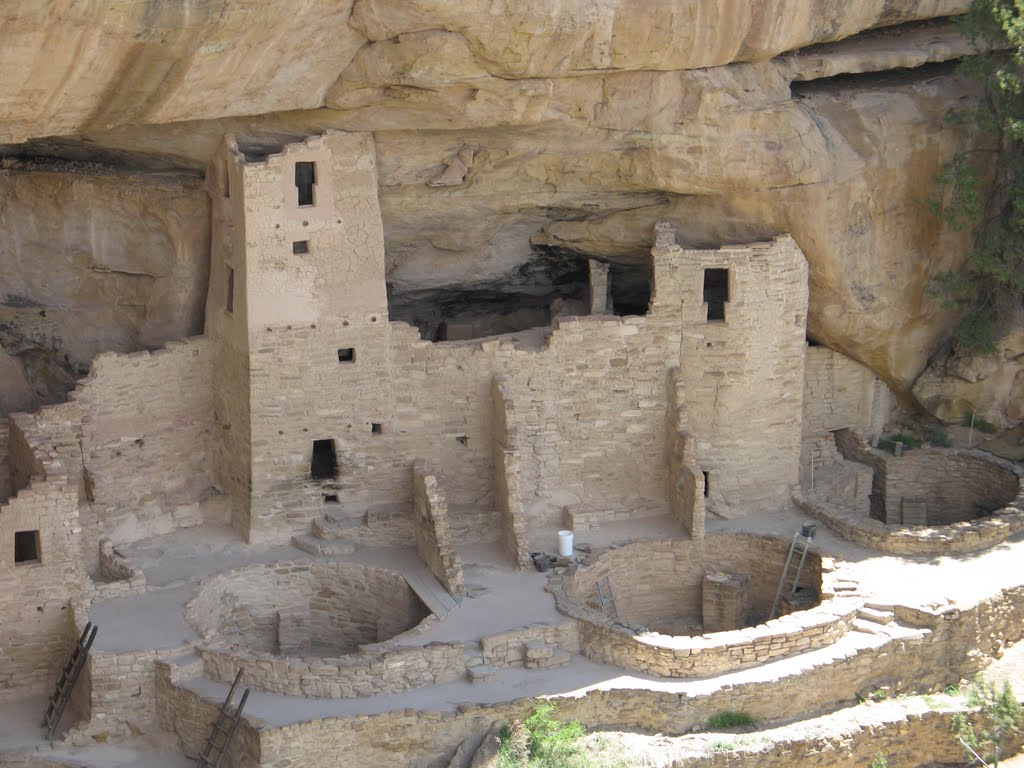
{"x":434,"y":596}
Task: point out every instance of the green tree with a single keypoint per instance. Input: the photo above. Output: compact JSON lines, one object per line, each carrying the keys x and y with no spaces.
{"x":999,"y":713}
{"x":991,"y":282}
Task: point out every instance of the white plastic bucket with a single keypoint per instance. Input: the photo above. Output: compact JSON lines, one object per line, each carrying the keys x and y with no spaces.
{"x":565,"y":543}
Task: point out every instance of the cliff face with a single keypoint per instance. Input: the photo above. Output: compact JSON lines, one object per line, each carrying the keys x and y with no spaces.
{"x":515,"y":140}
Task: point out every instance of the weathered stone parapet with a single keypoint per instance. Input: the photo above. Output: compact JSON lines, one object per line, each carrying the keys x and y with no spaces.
{"x":117,"y":576}
{"x":432,"y":530}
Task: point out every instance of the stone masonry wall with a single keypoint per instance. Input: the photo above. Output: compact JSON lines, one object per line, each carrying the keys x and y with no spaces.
{"x":591,"y":406}
{"x":934,"y":656}
{"x":37,"y":630}
{"x":347,"y":605}
{"x":954,"y":485}
{"x":743,"y":376}
{"x":433,"y":532}
{"x":839,"y":393}
{"x":146,"y":421}
{"x":508,"y":480}
{"x":685,"y":477}
{"x":134,"y":437}
{"x":6,"y":485}
{"x":657,"y":580}
{"x":228,"y":331}
{"x":853,"y":448}
{"x":189,"y":716}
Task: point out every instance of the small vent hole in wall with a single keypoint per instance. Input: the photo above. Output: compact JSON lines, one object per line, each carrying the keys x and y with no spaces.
{"x":707,"y":484}
{"x":376,"y":428}
{"x":324,"y":464}
{"x":300,"y":246}
{"x":330,"y":498}
{"x":305,"y":180}
{"x":462,"y":440}
{"x":347,"y":355}
{"x":26,"y":547}
{"x":716,"y":292}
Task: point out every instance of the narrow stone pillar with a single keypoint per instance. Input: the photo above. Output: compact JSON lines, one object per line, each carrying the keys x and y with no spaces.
{"x":598,"y":287}
{"x":724,"y":601}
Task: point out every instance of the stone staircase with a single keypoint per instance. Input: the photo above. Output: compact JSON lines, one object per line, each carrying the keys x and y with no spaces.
{"x":876,"y":619}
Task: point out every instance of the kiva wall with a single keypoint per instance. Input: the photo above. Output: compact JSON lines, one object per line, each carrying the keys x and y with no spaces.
{"x":839,"y":393}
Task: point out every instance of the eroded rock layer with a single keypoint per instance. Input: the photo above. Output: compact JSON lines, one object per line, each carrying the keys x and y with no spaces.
{"x":516,"y":141}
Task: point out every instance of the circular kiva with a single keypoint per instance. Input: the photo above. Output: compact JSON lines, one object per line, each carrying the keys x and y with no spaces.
{"x":304,"y":609}
{"x":693,"y":608}
{"x":930,"y":501}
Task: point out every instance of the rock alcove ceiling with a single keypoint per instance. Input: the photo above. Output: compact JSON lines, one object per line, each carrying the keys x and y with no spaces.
{"x":514,"y":144}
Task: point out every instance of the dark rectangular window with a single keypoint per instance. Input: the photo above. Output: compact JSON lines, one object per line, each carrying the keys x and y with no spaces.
{"x":346,"y":355}
{"x":229,"y":300}
{"x":305,"y":180}
{"x":330,"y":498}
{"x":324,"y":464}
{"x":716,"y":292}
{"x":707,"y":483}
{"x":376,"y":429}
{"x":26,"y":547}
{"x":300,"y":246}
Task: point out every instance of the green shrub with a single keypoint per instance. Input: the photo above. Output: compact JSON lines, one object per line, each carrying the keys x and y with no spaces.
{"x":879,"y":761}
{"x":1000,"y":719}
{"x":909,"y":440}
{"x":540,"y":741}
{"x":729,"y":719}
{"x":936,"y":435}
{"x":980,"y":424}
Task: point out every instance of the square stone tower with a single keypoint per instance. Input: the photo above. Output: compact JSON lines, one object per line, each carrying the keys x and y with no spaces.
{"x":298,"y":308}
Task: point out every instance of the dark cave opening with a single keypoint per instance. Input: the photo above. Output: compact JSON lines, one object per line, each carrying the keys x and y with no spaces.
{"x":554,"y":283}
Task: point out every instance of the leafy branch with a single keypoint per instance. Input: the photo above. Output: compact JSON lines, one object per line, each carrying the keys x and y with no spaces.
{"x":992,"y":277}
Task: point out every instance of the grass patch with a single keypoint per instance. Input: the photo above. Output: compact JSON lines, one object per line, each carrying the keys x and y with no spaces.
{"x":722,"y":746}
{"x":980,"y":424}
{"x":729,"y":719}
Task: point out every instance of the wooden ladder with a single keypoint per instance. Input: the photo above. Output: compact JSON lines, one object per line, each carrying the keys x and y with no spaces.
{"x":223,"y":729}
{"x":801,"y":541}
{"x":606,"y":598}
{"x":68,"y":678}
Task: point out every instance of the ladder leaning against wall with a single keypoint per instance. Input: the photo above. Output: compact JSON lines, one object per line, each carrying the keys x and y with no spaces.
{"x":66,"y":683}
{"x":790,"y":579}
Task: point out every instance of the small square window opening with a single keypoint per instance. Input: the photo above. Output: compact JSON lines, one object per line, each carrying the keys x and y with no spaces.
{"x":347,"y":355}
{"x":300,"y":246}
